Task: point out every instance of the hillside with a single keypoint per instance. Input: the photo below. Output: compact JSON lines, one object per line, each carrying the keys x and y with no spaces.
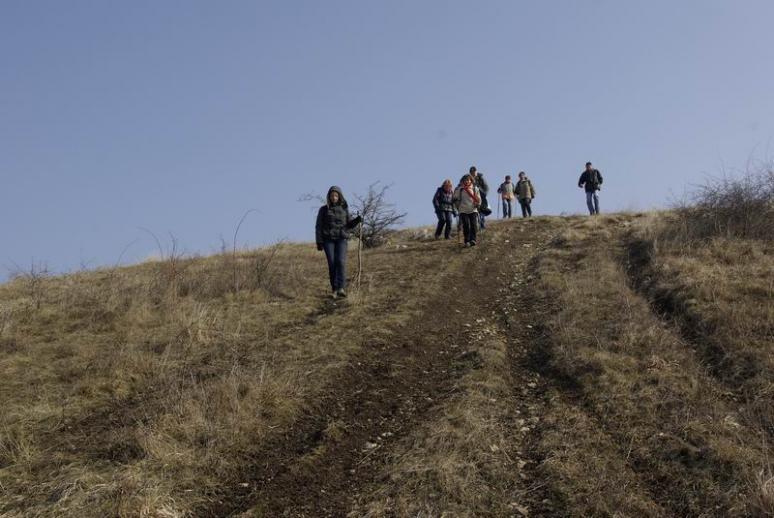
{"x":565,"y":367}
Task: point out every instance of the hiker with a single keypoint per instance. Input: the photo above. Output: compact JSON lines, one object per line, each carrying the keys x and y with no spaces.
{"x":483,"y":189}
{"x":591,"y":181}
{"x":467,"y":199}
{"x":525,"y":192}
{"x":443,"y":202}
{"x":332,"y":232}
{"x":507,"y":194}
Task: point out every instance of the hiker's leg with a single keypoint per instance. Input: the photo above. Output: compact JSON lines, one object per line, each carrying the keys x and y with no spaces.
{"x":340,"y":264}
{"x":465,"y":219}
{"x":590,"y":202}
{"x":473,"y":228}
{"x":596,"y":202}
{"x":523,"y":206}
{"x":441,"y":221}
{"x":528,"y":205}
{"x":330,"y":251}
{"x":447,"y":215}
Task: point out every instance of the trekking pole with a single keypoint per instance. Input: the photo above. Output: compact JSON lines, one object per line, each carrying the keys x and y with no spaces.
{"x":359,"y":257}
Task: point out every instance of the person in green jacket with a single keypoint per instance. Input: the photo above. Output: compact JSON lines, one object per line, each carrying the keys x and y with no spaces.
{"x":525,"y":193}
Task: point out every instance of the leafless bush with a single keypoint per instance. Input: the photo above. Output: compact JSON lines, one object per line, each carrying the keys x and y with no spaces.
{"x":731,"y":206}
{"x":380,"y":217}
{"x":33,"y":278}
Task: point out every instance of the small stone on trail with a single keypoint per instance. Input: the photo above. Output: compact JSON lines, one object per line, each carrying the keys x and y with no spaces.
{"x":370,"y":445}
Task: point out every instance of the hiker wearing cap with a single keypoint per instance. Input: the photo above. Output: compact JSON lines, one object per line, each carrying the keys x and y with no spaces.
{"x":443,"y":203}
{"x":507,"y":192}
{"x":483,"y":189}
{"x":467,"y":200}
{"x":332,"y":232}
{"x":525,"y":192}
{"x":591,"y":181}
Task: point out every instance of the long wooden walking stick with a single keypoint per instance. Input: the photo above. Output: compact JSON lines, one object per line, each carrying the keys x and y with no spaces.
{"x":359,"y":256}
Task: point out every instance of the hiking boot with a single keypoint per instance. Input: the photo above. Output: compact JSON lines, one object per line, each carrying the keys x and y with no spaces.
{"x":334,"y":294}
{"x":472,"y":243}
{"x":467,"y":245}
{"x":341,"y":293}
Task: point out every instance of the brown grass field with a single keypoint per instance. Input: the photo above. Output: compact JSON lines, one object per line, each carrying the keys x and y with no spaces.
{"x":565,"y":367}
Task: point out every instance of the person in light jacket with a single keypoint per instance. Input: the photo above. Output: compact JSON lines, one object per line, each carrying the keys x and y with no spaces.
{"x":467,"y":199}
{"x":507,"y":194}
{"x":525,"y":192}
{"x":332,"y":234}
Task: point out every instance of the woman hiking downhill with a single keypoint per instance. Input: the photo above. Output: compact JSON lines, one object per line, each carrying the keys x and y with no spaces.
{"x":443,"y":202}
{"x":467,"y":200}
{"x":332,"y":232}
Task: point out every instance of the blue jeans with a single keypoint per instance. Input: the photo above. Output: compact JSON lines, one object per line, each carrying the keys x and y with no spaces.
{"x":336,"y":254}
{"x":507,"y":208}
{"x":592,"y":202}
{"x":444,"y":221}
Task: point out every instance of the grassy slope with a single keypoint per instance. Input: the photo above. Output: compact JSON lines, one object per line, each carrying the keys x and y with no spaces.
{"x":159,"y":389}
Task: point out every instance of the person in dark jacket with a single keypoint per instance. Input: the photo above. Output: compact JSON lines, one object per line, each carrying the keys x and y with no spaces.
{"x":332,"y":232}
{"x":443,"y":203}
{"x":591,"y":181}
{"x":483,"y":190}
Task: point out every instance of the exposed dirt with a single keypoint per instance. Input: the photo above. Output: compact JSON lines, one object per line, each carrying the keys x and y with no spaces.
{"x":319,"y":466}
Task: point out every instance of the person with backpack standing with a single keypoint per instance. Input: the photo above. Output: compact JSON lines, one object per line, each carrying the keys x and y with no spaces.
{"x":332,"y":233}
{"x":443,"y":202}
{"x":483,"y":189}
{"x":525,"y":192}
{"x":591,"y":181}
{"x":467,"y":199}
{"x":507,"y":192}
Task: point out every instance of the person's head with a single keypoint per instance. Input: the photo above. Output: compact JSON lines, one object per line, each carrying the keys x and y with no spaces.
{"x":473,"y":171}
{"x":507,"y":178}
{"x":467,"y":180}
{"x":522,"y":175}
{"x":447,"y":184}
{"x":335,"y":197}
{"x":588,"y":166}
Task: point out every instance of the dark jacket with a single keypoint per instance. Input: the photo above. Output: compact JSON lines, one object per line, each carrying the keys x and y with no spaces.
{"x":443,"y":201}
{"x":481,"y":184}
{"x":333,"y":221}
{"x":590,"y":180}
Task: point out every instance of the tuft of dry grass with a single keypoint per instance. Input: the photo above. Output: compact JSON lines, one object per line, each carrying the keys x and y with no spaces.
{"x":657,"y":419}
{"x":144,"y":390}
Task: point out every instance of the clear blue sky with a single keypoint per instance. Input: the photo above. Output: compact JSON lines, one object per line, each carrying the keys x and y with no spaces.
{"x":178,"y":116}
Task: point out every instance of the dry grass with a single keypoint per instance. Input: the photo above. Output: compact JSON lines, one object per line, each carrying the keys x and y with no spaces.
{"x":143,"y":390}
{"x":661,"y":427}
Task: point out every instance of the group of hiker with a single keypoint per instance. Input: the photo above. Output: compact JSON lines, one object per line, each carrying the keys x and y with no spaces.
{"x":467,"y":202}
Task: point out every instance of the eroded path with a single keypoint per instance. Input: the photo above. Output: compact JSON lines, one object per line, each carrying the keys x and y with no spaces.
{"x":435,"y":419}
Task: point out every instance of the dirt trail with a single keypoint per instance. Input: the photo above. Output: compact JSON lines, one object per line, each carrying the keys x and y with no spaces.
{"x":332,"y":455}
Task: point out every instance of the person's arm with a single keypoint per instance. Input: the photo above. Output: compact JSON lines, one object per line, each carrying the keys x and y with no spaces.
{"x":437,"y":200}
{"x":531,"y":189}
{"x":600,"y":177}
{"x":582,"y":179}
{"x":318,"y":230}
{"x":500,"y":189}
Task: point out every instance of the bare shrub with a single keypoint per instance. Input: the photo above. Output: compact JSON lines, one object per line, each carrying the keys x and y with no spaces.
{"x":33,"y":278}
{"x":380,"y":217}
{"x":730,"y":206}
